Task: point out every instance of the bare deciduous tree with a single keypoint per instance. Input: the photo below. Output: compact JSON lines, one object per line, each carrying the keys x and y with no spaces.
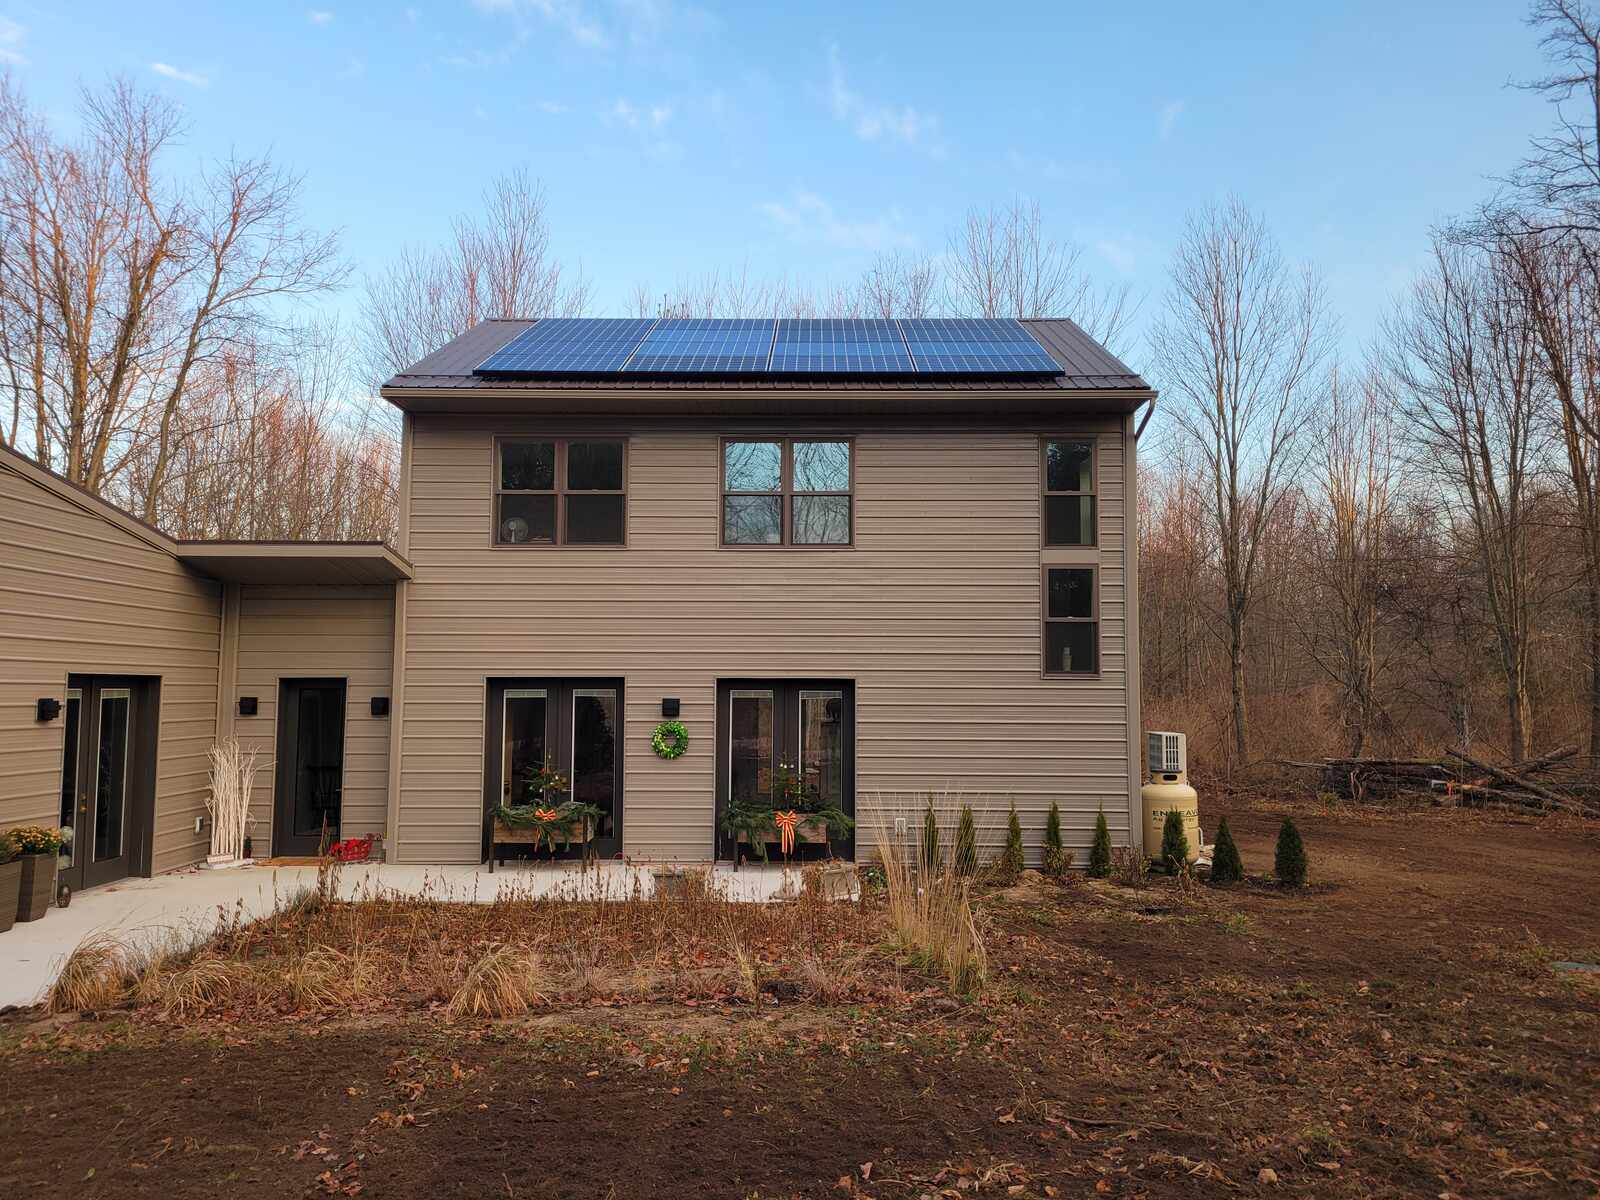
{"x":499,"y":263}
{"x":1463,"y":357}
{"x":117,"y":284}
{"x":1241,"y":339}
{"x":899,"y":285}
{"x":1002,"y":263}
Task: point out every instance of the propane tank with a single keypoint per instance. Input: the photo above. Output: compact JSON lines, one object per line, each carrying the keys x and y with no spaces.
{"x":1166,"y":790}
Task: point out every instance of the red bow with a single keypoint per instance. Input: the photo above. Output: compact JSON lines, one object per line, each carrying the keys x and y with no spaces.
{"x":786,"y":822}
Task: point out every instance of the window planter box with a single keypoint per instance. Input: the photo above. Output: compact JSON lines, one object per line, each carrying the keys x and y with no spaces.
{"x":814,"y":830}
{"x":581,"y":834}
{"x":38,"y":886}
{"x":10,"y":890}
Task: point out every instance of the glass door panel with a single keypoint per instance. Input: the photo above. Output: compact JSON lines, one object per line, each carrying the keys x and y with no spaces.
{"x":822,"y":744}
{"x":594,"y":753}
{"x":111,"y":773}
{"x":752,"y":751}
{"x":71,"y":753}
{"x":526,"y":712}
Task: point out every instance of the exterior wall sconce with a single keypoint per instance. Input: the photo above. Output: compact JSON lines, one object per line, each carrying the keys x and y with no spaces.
{"x":380,"y":706}
{"x":669,"y":706}
{"x":49,"y":709}
{"x":247,"y":706}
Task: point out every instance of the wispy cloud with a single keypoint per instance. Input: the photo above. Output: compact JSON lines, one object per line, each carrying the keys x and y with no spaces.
{"x":807,"y":217}
{"x":570,"y":16}
{"x":554,"y":107}
{"x":871,"y":120}
{"x":625,"y":112}
{"x":1125,"y":251}
{"x":1086,"y":172}
{"x":11,"y":35}
{"x":320,"y":16}
{"x":354,"y":68}
{"x":172,"y":72}
{"x":1170,"y":112}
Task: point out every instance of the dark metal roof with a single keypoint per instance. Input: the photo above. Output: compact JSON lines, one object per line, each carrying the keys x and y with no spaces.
{"x":1085,"y":366}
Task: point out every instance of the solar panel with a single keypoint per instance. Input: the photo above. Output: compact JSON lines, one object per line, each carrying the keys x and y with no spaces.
{"x":568,"y":346}
{"x":689,"y":346}
{"x":945,"y":346}
{"x":840,"y":347}
{"x":577,"y":346}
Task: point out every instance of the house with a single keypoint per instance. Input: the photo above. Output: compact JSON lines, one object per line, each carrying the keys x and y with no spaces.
{"x":897,"y":555}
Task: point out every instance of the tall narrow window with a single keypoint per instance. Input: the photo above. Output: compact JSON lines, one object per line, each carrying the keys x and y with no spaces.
{"x":1071,"y":621}
{"x":556,"y":491}
{"x":1069,"y":492}
{"x":786,"y":491}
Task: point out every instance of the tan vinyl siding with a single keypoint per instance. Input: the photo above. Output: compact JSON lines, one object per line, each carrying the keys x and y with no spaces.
{"x":319,"y":632}
{"x":935,"y":613}
{"x":82,"y":594}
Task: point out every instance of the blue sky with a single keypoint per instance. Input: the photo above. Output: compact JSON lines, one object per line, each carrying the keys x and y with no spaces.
{"x":800,"y":140}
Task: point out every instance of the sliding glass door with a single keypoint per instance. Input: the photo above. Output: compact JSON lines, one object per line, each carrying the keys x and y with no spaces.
{"x":571,"y":726}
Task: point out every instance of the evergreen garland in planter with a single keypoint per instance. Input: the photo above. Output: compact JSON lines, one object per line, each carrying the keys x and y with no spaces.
{"x":1226,"y":865}
{"x":1100,"y":850}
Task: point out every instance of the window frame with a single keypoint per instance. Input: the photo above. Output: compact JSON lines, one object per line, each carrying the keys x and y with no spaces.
{"x":560,"y":491}
{"x":1045,"y":493}
{"x":1046,"y":620}
{"x":786,"y":492}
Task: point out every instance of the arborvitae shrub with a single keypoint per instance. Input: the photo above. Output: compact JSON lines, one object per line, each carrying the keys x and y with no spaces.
{"x":1174,"y":842}
{"x":1055,"y":855}
{"x":1226,"y":865}
{"x":965,"y":858}
{"x":1011,"y":857}
{"x":1289,"y":864}
{"x":1100,"y":850}
{"x":931,"y":862}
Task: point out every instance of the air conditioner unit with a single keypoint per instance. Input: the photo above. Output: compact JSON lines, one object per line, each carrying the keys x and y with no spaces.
{"x":1166,"y":753}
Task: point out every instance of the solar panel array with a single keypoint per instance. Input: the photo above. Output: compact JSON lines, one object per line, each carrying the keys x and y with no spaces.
{"x":571,"y":346}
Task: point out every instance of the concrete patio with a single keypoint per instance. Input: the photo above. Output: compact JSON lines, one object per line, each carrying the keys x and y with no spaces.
{"x":187,"y":901}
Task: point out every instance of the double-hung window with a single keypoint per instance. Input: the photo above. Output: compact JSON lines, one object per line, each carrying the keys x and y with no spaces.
{"x":786,"y":492}
{"x":1069,"y":492}
{"x":560,"y":491}
{"x":1071,"y":621}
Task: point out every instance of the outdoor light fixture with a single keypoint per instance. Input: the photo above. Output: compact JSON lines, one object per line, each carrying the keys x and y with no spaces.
{"x":380,"y":706}
{"x":49,"y":709}
{"x":247,"y":706}
{"x":669,"y":706}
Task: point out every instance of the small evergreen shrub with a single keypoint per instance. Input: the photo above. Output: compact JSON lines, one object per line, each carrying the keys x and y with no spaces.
{"x":1011,"y":857}
{"x":965,"y":857}
{"x":1100,"y":850}
{"x":1289,"y":864}
{"x":1055,"y":855}
{"x":1174,"y":842}
{"x":1226,"y":865}
{"x":931,"y":862}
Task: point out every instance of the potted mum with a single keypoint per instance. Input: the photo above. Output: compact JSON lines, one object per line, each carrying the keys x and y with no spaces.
{"x":10,"y":879}
{"x":39,"y":846}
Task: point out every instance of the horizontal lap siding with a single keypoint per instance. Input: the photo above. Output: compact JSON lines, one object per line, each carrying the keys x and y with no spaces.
{"x":335,"y":633}
{"x":80,"y":594}
{"x":935,"y":614}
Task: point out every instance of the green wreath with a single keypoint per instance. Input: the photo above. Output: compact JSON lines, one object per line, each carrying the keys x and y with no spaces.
{"x":670,"y":739}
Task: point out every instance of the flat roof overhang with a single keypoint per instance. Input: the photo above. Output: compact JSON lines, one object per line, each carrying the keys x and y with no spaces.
{"x":289,"y":564}
{"x":766,"y":402}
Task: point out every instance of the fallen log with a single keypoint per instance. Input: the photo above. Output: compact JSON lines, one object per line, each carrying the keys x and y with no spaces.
{"x":1510,"y":778}
{"x":1523,"y":800}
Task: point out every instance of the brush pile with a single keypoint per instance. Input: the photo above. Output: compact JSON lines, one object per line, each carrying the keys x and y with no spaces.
{"x":1563,"y":784}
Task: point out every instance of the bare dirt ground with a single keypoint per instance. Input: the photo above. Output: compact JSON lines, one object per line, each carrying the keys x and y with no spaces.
{"x":1396,"y":1029}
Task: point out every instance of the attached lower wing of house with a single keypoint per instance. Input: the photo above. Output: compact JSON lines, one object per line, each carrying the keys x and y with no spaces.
{"x":881,"y":561}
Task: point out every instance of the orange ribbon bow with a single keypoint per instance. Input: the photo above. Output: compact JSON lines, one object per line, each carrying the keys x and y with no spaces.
{"x":545,"y":814}
{"x":786,"y":822}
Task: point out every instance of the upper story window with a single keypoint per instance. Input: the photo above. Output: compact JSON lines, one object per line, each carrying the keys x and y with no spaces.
{"x":786,"y":492}
{"x":560,"y":491}
{"x":1069,"y":492}
{"x":1071,"y":621}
